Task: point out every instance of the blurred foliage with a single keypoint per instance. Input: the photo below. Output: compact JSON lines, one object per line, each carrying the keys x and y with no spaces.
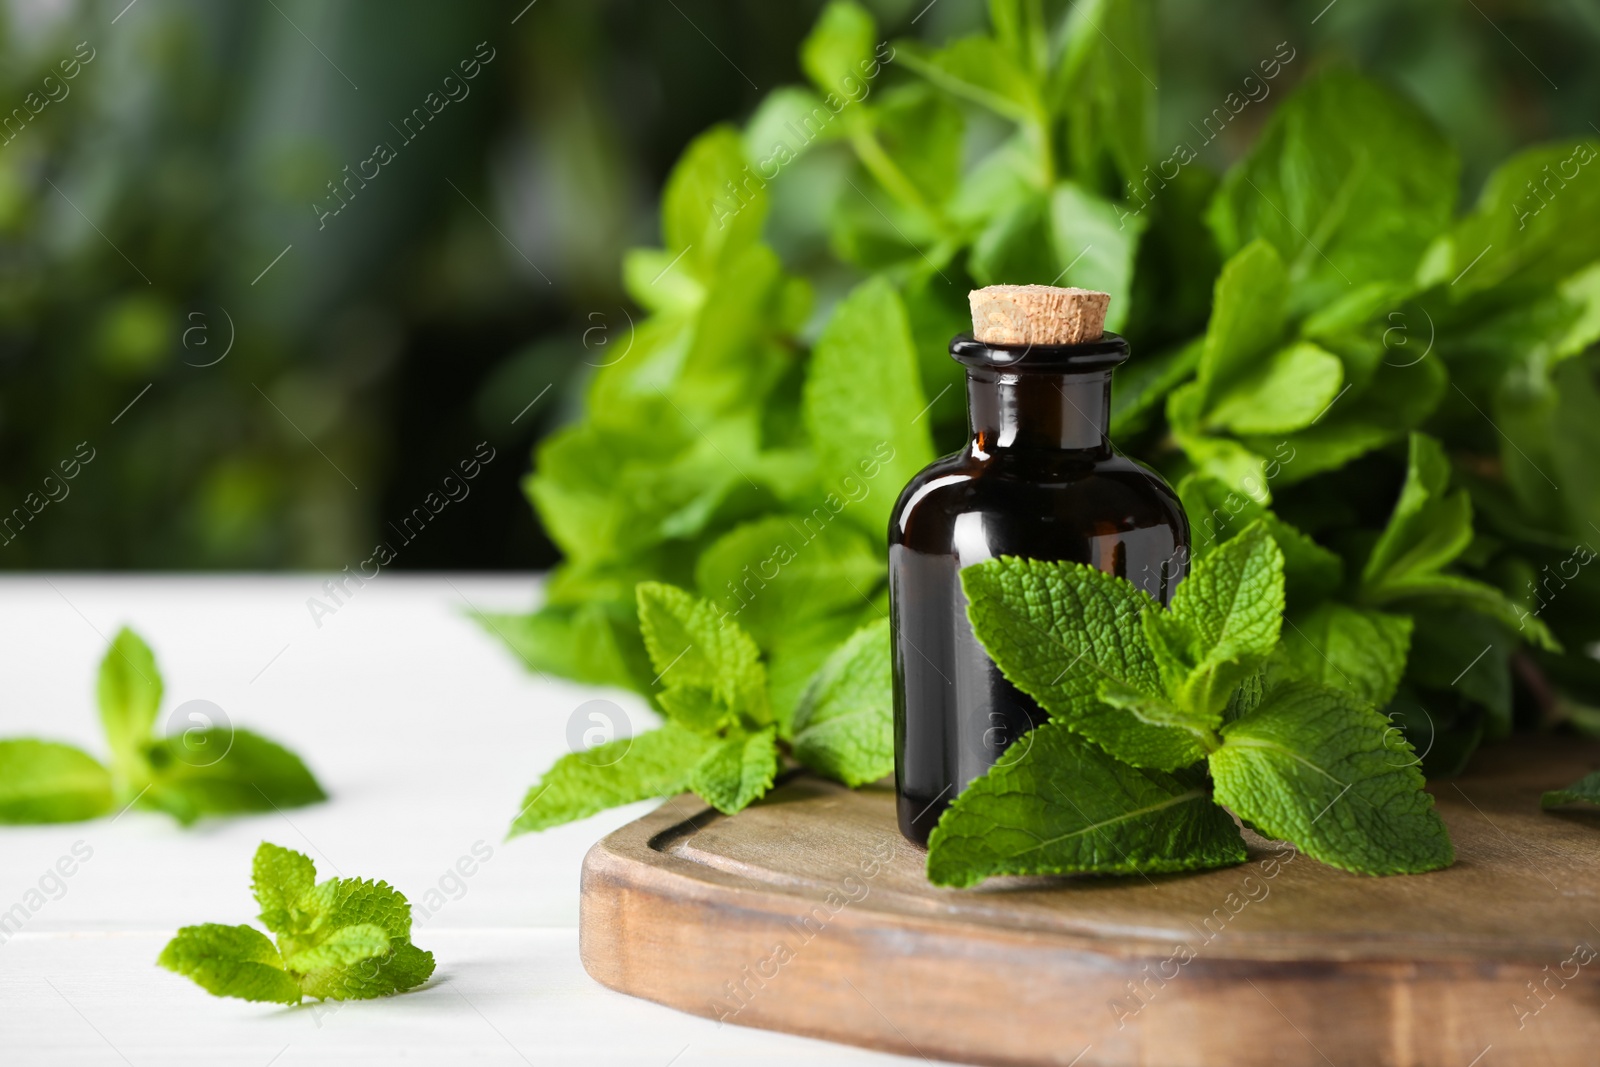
{"x":188,"y":152}
{"x":1336,"y":334}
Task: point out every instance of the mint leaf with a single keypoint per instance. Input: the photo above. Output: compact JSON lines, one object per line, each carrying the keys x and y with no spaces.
{"x":1469,"y":653}
{"x":280,"y":877}
{"x":1247,"y":319}
{"x":342,"y":947}
{"x":699,"y":216}
{"x":1429,"y":526}
{"x":1058,"y":631}
{"x":1523,"y":222}
{"x":1222,"y":624}
{"x":1349,"y":181}
{"x":1585,"y":790}
{"x":596,"y":643}
{"x":342,"y":939}
{"x":1094,"y":247}
{"x":862,"y":405}
{"x":129,"y":694}
{"x":797,"y":586}
{"x":737,"y":771}
{"x":653,"y":764}
{"x":1217,"y":514}
{"x":1320,"y":768}
{"x":45,"y":781}
{"x":837,"y":53}
{"x":844,"y":726}
{"x":1359,"y":649}
{"x":401,"y":969}
{"x":1101,"y":84}
{"x":224,"y":771}
{"x":1057,"y":804}
{"x":1286,"y":392}
{"x":231,"y":961}
{"x":712,"y":663}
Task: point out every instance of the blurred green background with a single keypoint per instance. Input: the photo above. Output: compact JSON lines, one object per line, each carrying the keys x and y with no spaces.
{"x":144,"y":199}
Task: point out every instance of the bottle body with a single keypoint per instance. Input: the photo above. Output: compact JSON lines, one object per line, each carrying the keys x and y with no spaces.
{"x":1037,"y":479}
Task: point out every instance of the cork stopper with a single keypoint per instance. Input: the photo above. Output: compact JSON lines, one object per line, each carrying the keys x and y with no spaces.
{"x":1037,"y":315}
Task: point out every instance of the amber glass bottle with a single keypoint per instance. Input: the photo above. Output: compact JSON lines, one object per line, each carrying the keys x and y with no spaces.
{"x":1038,"y":479}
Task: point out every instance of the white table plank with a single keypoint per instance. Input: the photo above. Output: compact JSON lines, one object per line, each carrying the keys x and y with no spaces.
{"x":425,"y":732}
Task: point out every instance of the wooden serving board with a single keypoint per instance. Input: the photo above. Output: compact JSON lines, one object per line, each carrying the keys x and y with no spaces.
{"x":809,"y":913}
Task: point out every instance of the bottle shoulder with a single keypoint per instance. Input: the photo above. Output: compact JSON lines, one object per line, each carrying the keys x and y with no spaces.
{"x":1067,"y":491}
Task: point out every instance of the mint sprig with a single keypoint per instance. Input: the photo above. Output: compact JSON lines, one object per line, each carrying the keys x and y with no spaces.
{"x":341,"y":939}
{"x":210,"y":770}
{"x":722,"y":739}
{"x":1158,"y":716}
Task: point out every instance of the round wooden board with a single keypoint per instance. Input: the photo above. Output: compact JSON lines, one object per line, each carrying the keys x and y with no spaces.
{"x":809,"y":913}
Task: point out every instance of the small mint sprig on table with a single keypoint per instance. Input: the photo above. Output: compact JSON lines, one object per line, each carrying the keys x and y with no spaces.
{"x":340,"y":939}
{"x":722,"y":739}
{"x":1158,"y":716}
{"x":48,"y":782}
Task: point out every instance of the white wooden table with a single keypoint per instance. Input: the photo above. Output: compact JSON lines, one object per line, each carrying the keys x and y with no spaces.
{"x":425,"y":732}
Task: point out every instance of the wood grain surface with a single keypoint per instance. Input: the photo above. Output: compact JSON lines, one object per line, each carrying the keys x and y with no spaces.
{"x":809,"y":913}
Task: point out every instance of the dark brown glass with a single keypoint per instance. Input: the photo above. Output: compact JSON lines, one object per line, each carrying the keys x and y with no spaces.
{"x":1039,"y":479}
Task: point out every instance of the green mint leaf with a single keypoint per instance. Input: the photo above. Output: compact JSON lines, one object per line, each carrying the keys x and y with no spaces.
{"x":1467,"y":652}
{"x":1009,"y":247}
{"x":1057,"y":804}
{"x":1094,"y":242}
{"x":1349,"y":181}
{"x":231,"y":961}
{"x":694,"y":646}
{"x":837,"y":54}
{"x":342,"y":947}
{"x":1058,"y":631}
{"x":1585,"y":790}
{"x":223,"y":771}
{"x":796,"y":584}
{"x":700,"y":217}
{"x":1358,"y":649}
{"x":1284,"y":393}
{"x":844,"y":726}
{"x":1442,"y":592}
{"x":862,"y":405}
{"x":596,"y":643}
{"x":1101,"y":84}
{"x":653,"y":764}
{"x":1217,"y":514}
{"x":1320,"y":768}
{"x":280,"y":877}
{"x":129,"y":693}
{"x":1247,"y":320}
{"x":406,"y":967}
{"x":975,"y":69}
{"x":332,"y":905}
{"x":1523,"y":222}
{"x":738,"y":771}
{"x":1222,"y":624}
{"x":770,"y":135}
{"x":1399,"y":396}
{"x":45,"y":781}
{"x":1429,"y":526}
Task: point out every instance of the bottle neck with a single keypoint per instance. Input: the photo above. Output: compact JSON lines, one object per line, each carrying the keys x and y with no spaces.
{"x":1039,"y":410}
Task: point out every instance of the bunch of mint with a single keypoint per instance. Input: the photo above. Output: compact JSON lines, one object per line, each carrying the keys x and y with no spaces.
{"x":1158,"y":717}
{"x":1299,"y":323}
{"x":205,"y":770}
{"x":722,"y":738}
{"x":339,"y":939}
